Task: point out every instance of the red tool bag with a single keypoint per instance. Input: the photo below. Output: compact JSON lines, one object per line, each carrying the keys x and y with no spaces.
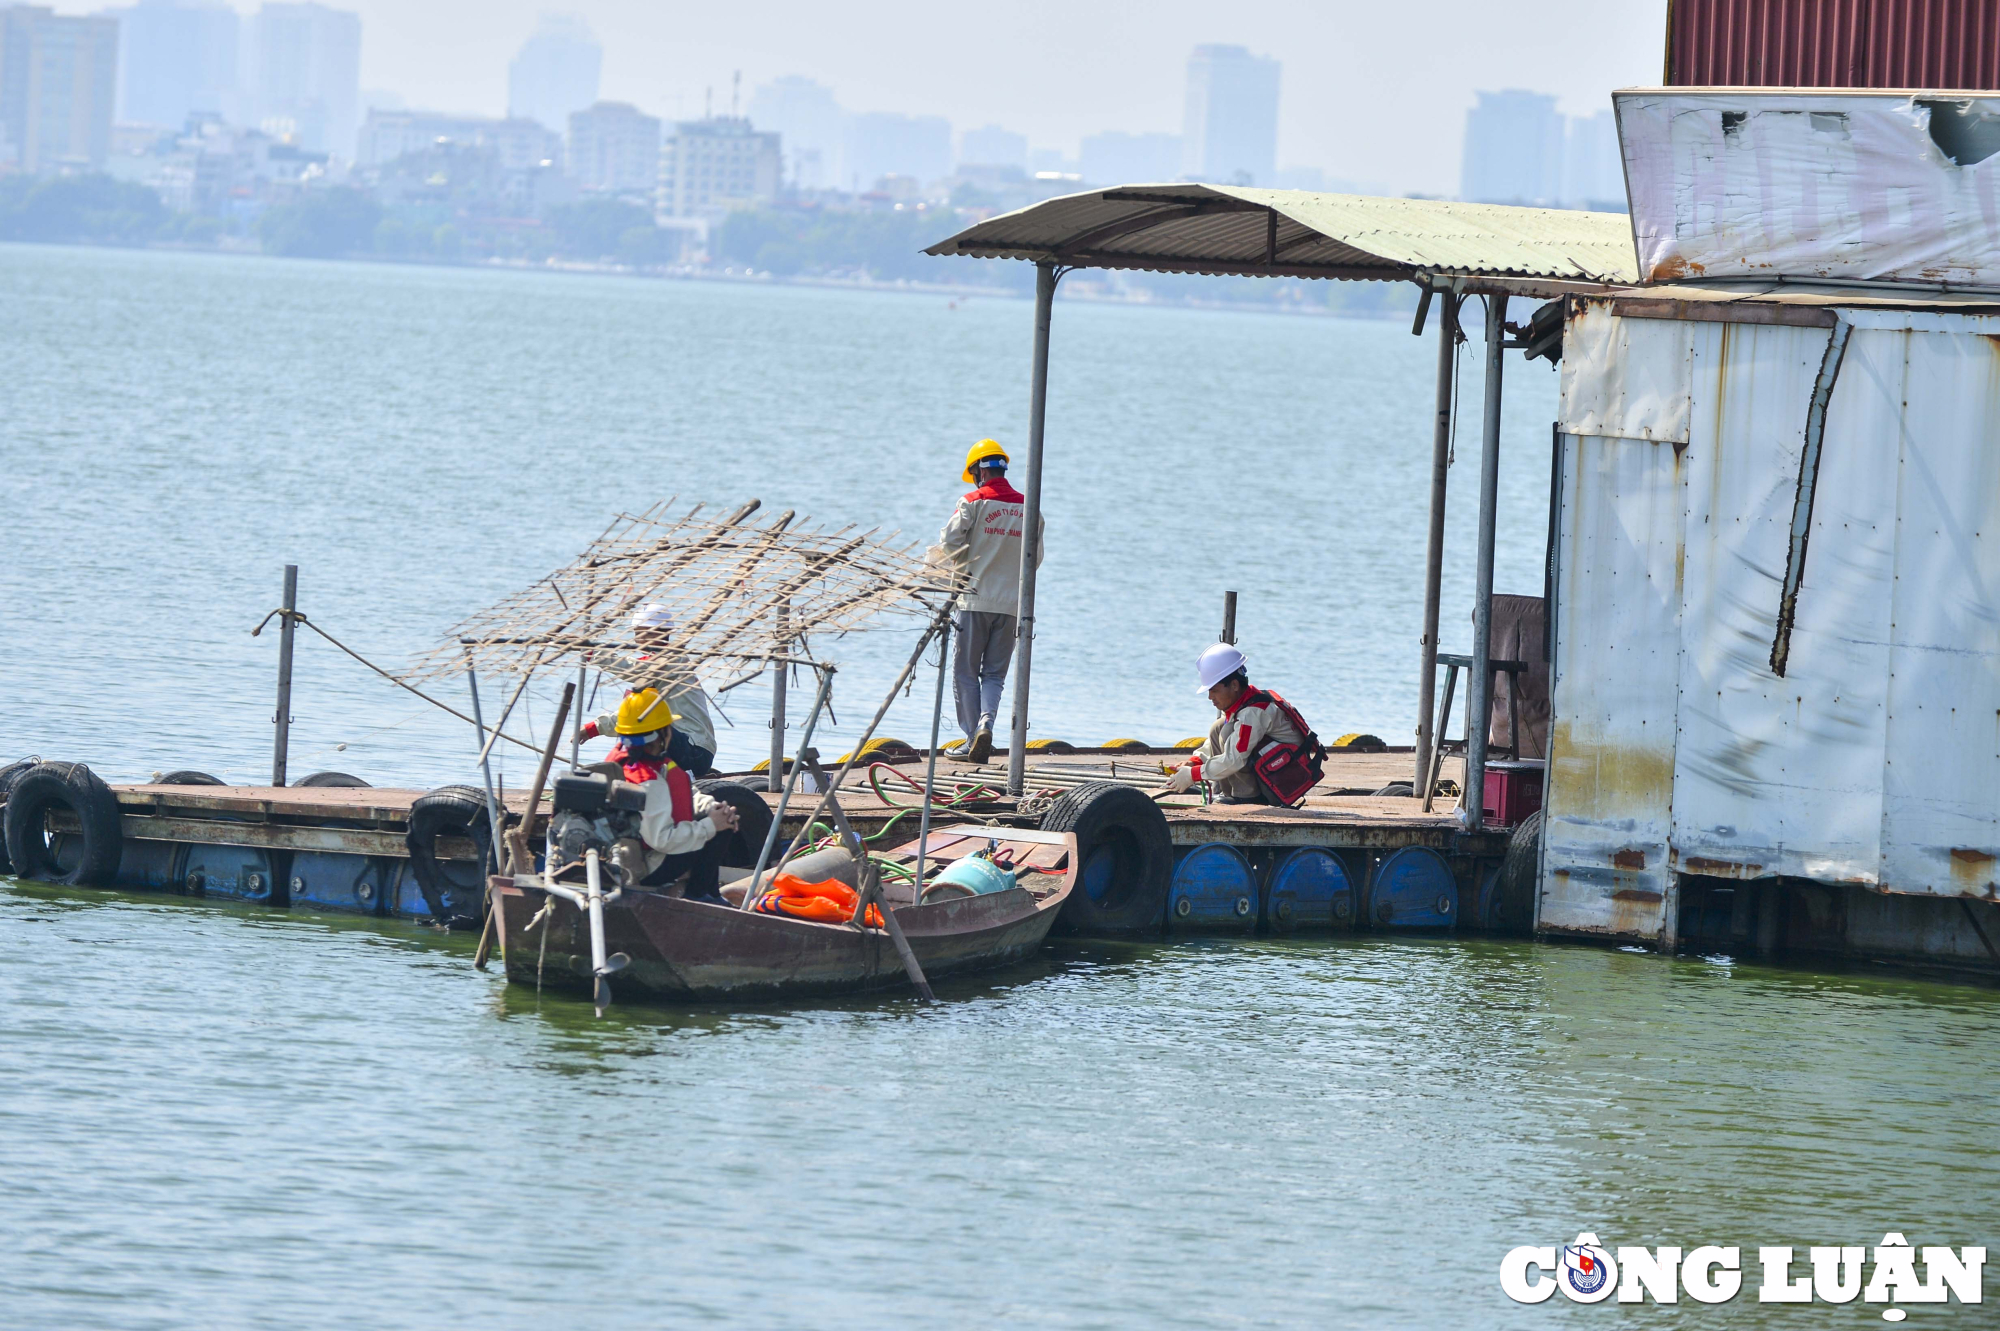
{"x":1287,"y":771}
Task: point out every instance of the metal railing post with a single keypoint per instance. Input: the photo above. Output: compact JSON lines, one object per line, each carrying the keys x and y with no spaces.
{"x":282,"y":743}
{"x":1427,"y":667}
{"x":1031,"y":534}
{"x":1479,"y":688}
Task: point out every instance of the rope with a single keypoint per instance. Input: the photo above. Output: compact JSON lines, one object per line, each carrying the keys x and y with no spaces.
{"x":298,"y":617}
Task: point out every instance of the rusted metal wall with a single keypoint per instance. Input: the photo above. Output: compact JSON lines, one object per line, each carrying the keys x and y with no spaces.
{"x":1875,"y":758}
{"x":1834,"y":43}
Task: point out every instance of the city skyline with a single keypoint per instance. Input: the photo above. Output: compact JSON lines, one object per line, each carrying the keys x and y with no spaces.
{"x":1343,"y":111}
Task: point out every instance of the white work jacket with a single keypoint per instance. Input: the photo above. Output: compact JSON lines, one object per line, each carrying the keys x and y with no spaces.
{"x":1224,"y":757}
{"x":688,"y":701}
{"x":662,"y":834}
{"x":984,"y":539}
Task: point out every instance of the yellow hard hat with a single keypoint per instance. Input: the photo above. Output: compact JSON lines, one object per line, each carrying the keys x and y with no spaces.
{"x":984,"y":449}
{"x":644,"y":712}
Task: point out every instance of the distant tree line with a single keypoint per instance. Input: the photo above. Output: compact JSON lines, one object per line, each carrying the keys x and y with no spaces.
{"x":95,"y":209}
{"x":887,"y":246}
{"x":342,"y":222}
{"x":324,"y":224}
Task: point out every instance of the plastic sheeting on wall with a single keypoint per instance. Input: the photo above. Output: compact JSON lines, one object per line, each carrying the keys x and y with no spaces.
{"x":1854,"y":186}
{"x":1876,"y":758}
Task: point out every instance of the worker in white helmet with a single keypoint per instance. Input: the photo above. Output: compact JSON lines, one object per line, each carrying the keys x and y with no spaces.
{"x":983,"y":539}
{"x":653,"y":663}
{"x":1260,"y":750}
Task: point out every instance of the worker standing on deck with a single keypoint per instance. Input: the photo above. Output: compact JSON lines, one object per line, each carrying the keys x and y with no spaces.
{"x":693,"y":743}
{"x":1260,"y":750}
{"x":983,"y":539}
{"x":678,"y":826}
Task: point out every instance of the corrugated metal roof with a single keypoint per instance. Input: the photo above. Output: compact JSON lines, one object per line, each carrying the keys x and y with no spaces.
{"x":1232,"y":230}
{"x":1834,"y":43}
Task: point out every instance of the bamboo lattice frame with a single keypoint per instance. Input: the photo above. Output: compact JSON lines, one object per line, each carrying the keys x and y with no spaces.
{"x":743,"y":592}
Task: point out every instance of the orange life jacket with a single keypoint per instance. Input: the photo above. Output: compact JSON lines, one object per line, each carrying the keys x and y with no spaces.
{"x":827,"y":902}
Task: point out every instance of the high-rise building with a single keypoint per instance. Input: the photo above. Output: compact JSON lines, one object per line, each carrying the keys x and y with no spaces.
{"x":709,"y":167}
{"x":614,"y":147}
{"x":882,"y":143}
{"x":991,"y":145}
{"x":811,"y":126}
{"x":1230,"y":132}
{"x":1116,"y":158}
{"x":58,"y":86}
{"x":516,"y":143}
{"x":1593,"y":174}
{"x":556,"y":72}
{"x":1513,"y":149}
{"x":176,"y":58}
{"x":305,"y":75}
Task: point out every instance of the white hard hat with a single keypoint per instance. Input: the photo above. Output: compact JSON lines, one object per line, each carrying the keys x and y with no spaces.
{"x":1217,"y":664}
{"x":652,"y":616}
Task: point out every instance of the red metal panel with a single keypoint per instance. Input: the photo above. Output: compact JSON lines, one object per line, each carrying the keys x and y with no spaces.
{"x":1834,"y":43}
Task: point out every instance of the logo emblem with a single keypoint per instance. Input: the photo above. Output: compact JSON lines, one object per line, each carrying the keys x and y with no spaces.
{"x":1587,"y":1273}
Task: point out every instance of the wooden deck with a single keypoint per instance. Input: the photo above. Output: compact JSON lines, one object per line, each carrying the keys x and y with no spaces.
{"x":1341,"y":812}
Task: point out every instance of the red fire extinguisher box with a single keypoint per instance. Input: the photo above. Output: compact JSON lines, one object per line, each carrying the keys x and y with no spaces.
{"x":1513,"y":791}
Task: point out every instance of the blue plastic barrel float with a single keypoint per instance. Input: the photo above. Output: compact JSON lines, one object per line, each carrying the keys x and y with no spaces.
{"x":1413,"y":888}
{"x":1213,"y":889}
{"x":350,"y":884}
{"x":244,"y":873}
{"x":1309,"y":889}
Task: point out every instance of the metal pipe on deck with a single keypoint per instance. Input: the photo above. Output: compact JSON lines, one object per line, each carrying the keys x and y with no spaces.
{"x":779,"y":669}
{"x":930,"y":761}
{"x":1229,"y":618}
{"x":1031,"y":529}
{"x":1479,"y":688}
{"x":1434,"y":547}
{"x":282,"y":742}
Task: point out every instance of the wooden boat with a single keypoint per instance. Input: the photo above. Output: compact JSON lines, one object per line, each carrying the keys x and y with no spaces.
{"x":689,"y":951}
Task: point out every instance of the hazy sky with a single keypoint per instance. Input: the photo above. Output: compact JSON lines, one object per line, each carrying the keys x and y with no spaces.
{"x":1372,"y":91}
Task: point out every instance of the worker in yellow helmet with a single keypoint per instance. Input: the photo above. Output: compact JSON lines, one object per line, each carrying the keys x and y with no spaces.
{"x":983,"y":539}
{"x":678,"y":826}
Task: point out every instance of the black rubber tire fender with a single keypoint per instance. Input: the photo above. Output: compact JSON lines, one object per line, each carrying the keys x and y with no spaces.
{"x":341,"y":780}
{"x":1124,"y":823}
{"x":449,"y":811}
{"x":9,"y":774}
{"x":739,"y":849}
{"x":74,"y":787}
{"x":1520,"y":875}
{"x":187,"y":776}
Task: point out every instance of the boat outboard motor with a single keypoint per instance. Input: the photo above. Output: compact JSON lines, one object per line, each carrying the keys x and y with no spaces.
{"x":592,"y":813}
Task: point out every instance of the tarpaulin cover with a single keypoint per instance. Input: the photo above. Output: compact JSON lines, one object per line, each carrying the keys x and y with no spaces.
{"x":1893,"y":187}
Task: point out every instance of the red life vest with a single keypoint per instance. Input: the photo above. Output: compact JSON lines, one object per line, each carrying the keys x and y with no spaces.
{"x":679,"y":788}
{"x":1285,"y":771}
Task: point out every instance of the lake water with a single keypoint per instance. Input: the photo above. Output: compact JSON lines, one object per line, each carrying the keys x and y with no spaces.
{"x":238,"y":1117}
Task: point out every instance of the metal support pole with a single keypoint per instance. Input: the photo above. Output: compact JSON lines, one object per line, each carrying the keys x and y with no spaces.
{"x":1031,"y":530}
{"x":576,"y":731}
{"x":1479,"y":688}
{"x":1229,"y":618}
{"x":791,"y":783}
{"x":1427,"y":667}
{"x":930,"y":764}
{"x":779,"y":670}
{"x":283,"y":740}
{"x":485,"y":763}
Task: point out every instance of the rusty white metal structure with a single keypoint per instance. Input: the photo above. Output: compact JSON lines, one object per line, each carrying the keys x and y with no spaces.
{"x":1718,"y":464}
{"x":1814,"y":184}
